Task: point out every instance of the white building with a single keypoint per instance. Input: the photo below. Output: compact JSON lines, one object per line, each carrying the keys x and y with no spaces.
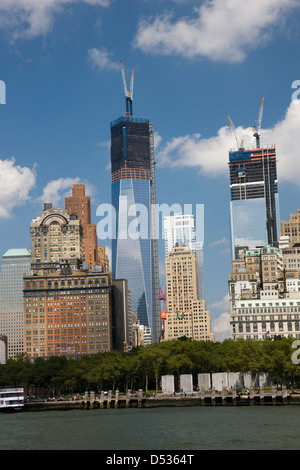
{"x":258,"y":318}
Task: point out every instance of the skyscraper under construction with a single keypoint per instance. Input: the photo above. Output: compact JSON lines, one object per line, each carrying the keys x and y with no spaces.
{"x":254,"y":206}
{"x":134,"y":247}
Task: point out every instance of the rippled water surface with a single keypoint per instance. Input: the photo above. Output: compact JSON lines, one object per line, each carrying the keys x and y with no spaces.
{"x":190,"y":428}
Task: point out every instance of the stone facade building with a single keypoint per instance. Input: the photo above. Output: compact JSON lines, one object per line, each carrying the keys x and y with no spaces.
{"x":56,"y":241}
{"x":263,"y":294}
{"x":68,"y":314}
{"x":186,"y":313}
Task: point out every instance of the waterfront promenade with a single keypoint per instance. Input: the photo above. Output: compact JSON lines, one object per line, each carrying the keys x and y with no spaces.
{"x":141,"y":400}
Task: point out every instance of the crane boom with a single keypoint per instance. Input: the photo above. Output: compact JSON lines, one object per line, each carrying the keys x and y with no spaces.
{"x":131,"y":84}
{"x":124,"y":79}
{"x":233,"y":129}
{"x":257,"y":128}
{"x":128,"y":93}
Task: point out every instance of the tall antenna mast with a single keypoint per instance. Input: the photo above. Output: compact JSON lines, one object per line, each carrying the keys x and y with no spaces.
{"x":128,"y":92}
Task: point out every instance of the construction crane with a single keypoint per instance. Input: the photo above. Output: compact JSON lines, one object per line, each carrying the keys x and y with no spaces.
{"x":257,"y":128}
{"x":163,"y":297}
{"x":163,"y":312}
{"x":234,"y":132}
{"x":128,"y":92}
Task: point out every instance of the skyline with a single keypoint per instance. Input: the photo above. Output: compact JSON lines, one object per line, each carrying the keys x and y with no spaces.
{"x":60,"y":62}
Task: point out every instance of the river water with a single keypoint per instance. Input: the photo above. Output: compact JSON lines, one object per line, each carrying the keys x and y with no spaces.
{"x":189,"y":428}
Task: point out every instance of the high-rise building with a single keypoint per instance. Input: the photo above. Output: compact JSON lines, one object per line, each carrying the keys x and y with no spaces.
{"x":135,"y":245}
{"x":179,"y":230}
{"x":254,"y":206}
{"x":56,"y":241}
{"x":291,"y":228}
{"x":103,"y":259}
{"x":79,"y":205}
{"x":14,"y":265}
{"x":186,"y":313}
{"x":67,"y":315}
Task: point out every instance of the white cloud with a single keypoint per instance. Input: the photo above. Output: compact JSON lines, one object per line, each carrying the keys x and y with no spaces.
{"x":101,"y":60}
{"x":285,"y":134}
{"x":57,"y":190}
{"x":222,"y":304}
{"x":221,"y":327}
{"x":216,"y":243}
{"x":221,"y":30}
{"x":16,"y":182}
{"x":210,"y":155}
{"x":31,"y":18}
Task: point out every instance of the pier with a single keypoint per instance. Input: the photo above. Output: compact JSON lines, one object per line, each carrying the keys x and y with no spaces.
{"x":199,"y":398}
{"x":253,"y":397}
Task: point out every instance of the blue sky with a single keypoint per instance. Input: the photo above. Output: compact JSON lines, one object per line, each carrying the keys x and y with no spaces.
{"x":195,"y":63}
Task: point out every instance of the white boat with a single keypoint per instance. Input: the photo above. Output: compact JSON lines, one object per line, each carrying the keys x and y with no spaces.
{"x":11,"y":399}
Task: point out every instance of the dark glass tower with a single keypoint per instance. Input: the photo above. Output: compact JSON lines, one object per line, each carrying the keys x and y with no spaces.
{"x":254,"y":206}
{"x":134,"y":249}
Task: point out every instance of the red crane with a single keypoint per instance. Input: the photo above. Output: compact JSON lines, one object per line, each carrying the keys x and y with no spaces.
{"x":162,"y":297}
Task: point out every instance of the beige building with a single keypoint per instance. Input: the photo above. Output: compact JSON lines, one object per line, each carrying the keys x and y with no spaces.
{"x":15,"y":263}
{"x":103,"y":259}
{"x":186,"y":314}
{"x":291,"y":228}
{"x":56,"y":240}
{"x":290,"y":241}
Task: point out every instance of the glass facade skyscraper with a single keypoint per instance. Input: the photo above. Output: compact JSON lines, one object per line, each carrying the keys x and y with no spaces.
{"x":134,"y":247}
{"x":14,"y":265}
{"x":254,"y":206}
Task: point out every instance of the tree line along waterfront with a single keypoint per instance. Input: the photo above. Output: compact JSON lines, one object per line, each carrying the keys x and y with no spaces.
{"x":143,"y":367}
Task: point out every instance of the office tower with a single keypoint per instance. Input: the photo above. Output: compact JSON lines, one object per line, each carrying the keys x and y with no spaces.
{"x":291,"y":228}
{"x":67,"y":315}
{"x":56,"y":241}
{"x":186,"y":313}
{"x":179,"y":230}
{"x":254,"y":206}
{"x":14,"y":265}
{"x":79,"y":205}
{"x":134,"y":247}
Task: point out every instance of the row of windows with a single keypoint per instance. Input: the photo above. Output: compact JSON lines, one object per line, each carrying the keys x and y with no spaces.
{"x":281,"y":326}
